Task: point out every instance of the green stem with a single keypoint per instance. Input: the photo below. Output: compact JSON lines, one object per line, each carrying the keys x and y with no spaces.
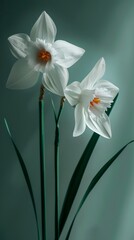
{"x":56,"y":156}
{"x":42,"y":163}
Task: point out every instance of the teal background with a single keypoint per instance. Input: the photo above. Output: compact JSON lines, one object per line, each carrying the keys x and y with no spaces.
{"x":103,"y":28}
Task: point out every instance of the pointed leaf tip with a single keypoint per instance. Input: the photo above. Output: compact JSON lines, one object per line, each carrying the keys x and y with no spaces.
{"x":26,"y":176}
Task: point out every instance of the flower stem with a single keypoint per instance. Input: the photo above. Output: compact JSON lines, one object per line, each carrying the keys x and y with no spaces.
{"x":56,"y":155}
{"x":42,"y":162}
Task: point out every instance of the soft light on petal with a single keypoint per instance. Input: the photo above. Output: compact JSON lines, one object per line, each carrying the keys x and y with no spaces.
{"x":94,"y":97}
{"x":80,"y":125}
{"x":21,"y":76}
{"x":106,"y":89}
{"x":19,"y":44}
{"x":95,"y":75}
{"x":33,"y":59}
{"x":56,"y":80}
{"x":67,"y":53}
{"x":100,"y":125}
{"x":86,"y":97}
{"x":72,"y":93}
{"x":44,"y":29}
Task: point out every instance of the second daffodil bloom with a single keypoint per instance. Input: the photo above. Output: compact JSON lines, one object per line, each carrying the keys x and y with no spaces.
{"x":91,"y":98}
{"x":40,"y":53}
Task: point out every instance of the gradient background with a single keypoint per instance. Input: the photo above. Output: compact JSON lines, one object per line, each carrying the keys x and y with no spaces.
{"x":103,"y":28}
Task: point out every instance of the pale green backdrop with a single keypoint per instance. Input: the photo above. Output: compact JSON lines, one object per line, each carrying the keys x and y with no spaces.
{"x":103,"y":28}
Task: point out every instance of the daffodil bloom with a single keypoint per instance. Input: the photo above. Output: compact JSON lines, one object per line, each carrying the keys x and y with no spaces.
{"x":91,"y":98}
{"x":40,"y":53}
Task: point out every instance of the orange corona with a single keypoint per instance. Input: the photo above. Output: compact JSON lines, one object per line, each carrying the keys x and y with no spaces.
{"x":44,"y":56}
{"x":94,"y":101}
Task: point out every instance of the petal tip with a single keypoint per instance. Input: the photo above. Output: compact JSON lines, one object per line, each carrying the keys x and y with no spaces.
{"x":75,"y":134}
{"x":108,"y":133}
{"x":83,"y":50}
{"x":102,"y":61}
{"x":109,"y":136}
{"x":43,"y":14}
{"x":11,"y":39}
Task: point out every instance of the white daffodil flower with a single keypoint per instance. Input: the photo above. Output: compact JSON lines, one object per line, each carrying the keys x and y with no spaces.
{"x":40,"y":53}
{"x":91,"y":98}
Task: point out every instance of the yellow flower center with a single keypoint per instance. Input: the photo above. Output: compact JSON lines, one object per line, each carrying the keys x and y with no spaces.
{"x":94,"y":101}
{"x":43,"y":56}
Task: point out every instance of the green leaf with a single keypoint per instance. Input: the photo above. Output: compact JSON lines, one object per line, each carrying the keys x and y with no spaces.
{"x":78,"y":174}
{"x":94,"y":182}
{"x":27,"y":178}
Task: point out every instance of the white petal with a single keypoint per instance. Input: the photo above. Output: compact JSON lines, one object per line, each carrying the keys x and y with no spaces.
{"x":67,"y":53}
{"x":33,"y":61}
{"x":44,"y":28}
{"x":106,"y":89}
{"x":80,"y":125}
{"x":56,"y":80}
{"x":19,"y":44}
{"x":72,"y":93}
{"x":100,"y":125}
{"x":21,"y":76}
{"x":86,"y":97}
{"x":96,"y":74}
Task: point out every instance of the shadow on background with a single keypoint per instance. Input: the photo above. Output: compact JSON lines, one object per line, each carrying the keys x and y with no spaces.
{"x":102,"y":28}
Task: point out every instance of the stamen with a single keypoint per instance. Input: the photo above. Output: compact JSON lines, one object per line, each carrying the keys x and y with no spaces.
{"x":94,"y":101}
{"x":43,"y":56}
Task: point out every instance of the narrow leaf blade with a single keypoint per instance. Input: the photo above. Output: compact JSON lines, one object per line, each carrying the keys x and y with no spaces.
{"x":94,"y":182}
{"x":26,"y":175}
{"x":78,"y":174}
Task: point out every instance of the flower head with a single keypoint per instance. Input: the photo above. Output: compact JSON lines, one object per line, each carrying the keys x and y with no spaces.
{"x":40,"y":53}
{"x":91,"y":98}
